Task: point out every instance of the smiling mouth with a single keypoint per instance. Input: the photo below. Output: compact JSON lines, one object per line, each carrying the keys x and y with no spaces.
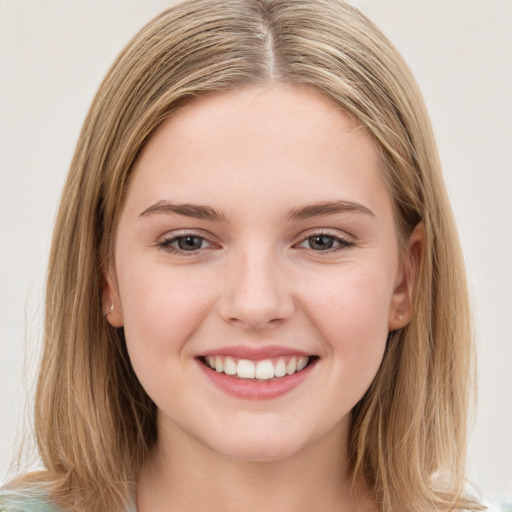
{"x":262,"y":370}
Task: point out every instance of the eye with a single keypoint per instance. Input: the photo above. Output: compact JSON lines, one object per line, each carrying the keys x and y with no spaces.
{"x":325,"y":242}
{"x":184,"y":243}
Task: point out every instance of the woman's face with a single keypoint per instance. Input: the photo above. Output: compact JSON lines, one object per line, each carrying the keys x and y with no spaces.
{"x":257,"y":237}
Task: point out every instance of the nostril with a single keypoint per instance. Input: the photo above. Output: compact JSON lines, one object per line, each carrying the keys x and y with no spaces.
{"x":255,"y":300}
{"x":254,"y":322}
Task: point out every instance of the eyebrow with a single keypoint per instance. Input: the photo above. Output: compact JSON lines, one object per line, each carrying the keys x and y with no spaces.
{"x":187,"y":210}
{"x":328,"y":208}
{"x":204,"y":212}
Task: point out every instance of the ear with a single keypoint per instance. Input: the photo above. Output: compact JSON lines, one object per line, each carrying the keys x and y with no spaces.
{"x":111,"y":303}
{"x":400,"y":312}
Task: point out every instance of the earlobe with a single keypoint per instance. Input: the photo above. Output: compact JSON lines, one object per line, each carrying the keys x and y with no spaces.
{"x":112,"y":311}
{"x":401,"y":309}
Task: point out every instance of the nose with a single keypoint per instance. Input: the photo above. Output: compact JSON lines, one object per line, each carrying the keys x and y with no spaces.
{"x":257,"y":292}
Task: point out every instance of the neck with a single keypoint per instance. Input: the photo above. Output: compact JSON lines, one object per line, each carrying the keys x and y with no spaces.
{"x":182,"y":475}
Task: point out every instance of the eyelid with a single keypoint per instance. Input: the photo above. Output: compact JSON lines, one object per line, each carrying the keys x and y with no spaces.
{"x":345,"y":240}
{"x":179,"y":233}
{"x":335,"y":233}
{"x":165,"y":241}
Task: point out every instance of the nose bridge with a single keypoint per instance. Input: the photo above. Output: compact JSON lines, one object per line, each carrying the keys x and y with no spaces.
{"x":257,"y":294}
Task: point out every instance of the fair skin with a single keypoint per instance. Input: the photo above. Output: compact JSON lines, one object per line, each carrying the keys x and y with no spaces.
{"x":265,"y":276}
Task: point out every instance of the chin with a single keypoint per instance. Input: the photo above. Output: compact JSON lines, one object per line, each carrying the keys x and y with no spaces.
{"x":260,"y":450}
{"x":260,"y":441}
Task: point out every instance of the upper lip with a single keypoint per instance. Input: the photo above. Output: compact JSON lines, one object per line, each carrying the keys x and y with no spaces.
{"x":255,"y":353}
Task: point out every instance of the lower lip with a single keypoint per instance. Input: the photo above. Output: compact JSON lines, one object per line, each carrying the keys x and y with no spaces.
{"x":249,"y":389}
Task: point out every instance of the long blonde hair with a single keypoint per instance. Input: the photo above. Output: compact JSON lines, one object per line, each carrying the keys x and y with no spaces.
{"x":94,"y":423}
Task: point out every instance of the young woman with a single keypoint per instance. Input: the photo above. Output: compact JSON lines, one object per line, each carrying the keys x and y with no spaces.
{"x":255,"y":296}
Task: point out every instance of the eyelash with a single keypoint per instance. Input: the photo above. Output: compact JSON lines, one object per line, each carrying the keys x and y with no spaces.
{"x":167,"y":246}
{"x":343,"y":243}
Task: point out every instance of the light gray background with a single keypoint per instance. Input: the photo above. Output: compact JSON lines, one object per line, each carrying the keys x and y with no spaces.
{"x":53,"y":55}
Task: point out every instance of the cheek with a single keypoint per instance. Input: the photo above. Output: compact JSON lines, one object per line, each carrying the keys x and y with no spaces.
{"x":162,"y":310}
{"x":351,"y":311}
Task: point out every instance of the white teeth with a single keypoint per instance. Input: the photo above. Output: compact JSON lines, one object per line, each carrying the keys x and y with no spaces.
{"x":265,"y":370}
{"x":262,"y":370}
{"x":280,"y":369}
{"x":245,"y":369}
{"x":301,"y":363}
{"x":229,"y":366}
{"x":291,"y":367}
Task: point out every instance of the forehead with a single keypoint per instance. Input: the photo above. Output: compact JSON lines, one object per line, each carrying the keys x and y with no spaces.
{"x":278,"y":115}
{"x":249,"y":143}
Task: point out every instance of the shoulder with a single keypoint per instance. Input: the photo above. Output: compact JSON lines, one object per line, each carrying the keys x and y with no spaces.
{"x":14,"y":501}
